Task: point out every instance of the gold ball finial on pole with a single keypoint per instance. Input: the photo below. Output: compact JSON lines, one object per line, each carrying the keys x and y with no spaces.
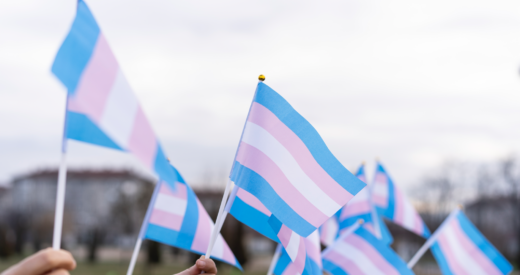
{"x":261,"y":77}
{"x":361,"y":221}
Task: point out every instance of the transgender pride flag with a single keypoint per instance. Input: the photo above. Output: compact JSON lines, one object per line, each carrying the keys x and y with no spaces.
{"x":460,"y":249}
{"x":313,"y":265}
{"x":101,"y":107}
{"x":361,"y":253}
{"x":284,"y":163}
{"x":177,"y":218}
{"x":392,"y":204}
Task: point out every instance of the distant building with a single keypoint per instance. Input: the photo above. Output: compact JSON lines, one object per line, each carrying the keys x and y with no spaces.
{"x":91,"y":196}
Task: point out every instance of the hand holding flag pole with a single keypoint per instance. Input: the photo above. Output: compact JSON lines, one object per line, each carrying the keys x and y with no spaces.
{"x":221,"y":213}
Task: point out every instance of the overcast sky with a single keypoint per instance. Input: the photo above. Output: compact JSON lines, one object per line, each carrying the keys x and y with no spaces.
{"x":411,"y":82}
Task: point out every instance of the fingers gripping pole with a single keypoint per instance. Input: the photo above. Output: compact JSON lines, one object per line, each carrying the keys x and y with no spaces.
{"x":60,"y":203}
{"x":220,"y":220}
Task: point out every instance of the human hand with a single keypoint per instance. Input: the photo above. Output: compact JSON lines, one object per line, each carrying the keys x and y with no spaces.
{"x":45,"y":262}
{"x":201,"y":265}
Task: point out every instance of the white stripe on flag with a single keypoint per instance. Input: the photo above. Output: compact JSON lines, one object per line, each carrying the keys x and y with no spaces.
{"x":261,"y":139}
{"x":170,"y":204}
{"x":292,"y":247}
{"x":467,"y":262}
{"x":119,"y":111}
{"x":409,"y":213}
{"x":357,"y":257}
{"x":380,"y":189}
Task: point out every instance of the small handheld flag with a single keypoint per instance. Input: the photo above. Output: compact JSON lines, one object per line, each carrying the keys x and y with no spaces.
{"x":392,"y":204}
{"x":101,"y":107}
{"x":361,"y":253}
{"x":461,"y":249}
{"x":284,"y":163}
{"x":177,"y":218}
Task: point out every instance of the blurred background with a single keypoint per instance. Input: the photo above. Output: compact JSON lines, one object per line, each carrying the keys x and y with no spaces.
{"x":431,"y":88}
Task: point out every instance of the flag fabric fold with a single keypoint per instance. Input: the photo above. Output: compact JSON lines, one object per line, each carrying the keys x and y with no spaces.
{"x":101,"y":106}
{"x":313,"y":263}
{"x":250,"y":211}
{"x":392,"y":204}
{"x":282,"y":161}
{"x":461,"y":249}
{"x":177,"y":218}
{"x":329,"y":231}
{"x":361,"y":253}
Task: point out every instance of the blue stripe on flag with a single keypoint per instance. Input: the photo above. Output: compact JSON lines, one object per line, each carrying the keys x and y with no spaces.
{"x":76,"y":50}
{"x":282,"y":263}
{"x":484,"y":245}
{"x":386,"y":236}
{"x":252,"y":218}
{"x":312,"y":139}
{"x":333,"y":268}
{"x":191,"y":219}
{"x":163,"y":235}
{"x":441,"y":260}
{"x":384,"y":250}
{"x":261,"y":189}
{"x":80,"y":127}
{"x":163,"y":168}
{"x":311,"y":267}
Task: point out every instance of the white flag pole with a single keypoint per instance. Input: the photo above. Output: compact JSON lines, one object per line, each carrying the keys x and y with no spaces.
{"x":431,"y":240}
{"x":221,"y":215}
{"x":60,"y":201}
{"x":276,"y":256}
{"x":220,"y":219}
{"x":144,"y":226}
{"x":60,"y":190}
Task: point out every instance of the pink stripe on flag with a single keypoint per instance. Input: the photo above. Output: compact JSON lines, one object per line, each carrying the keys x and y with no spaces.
{"x":96,"y":82}
{"x":142,"y":141}
{"x":372,"y":254}
{"x":181,"y":192}
{"x":257,"y":161}
{"x":298,"y":265}
{"x":228,"y":255}
{"x":418,"y":224}
{"x":370,"y":227}
{"x":202,"y":235}
{"x":284,"y":235}
{"x":379,"y":200}
{"x":381,"y":178}
{"x":252,"y":201}
{"x":354,"y":209}
{"x":165,"y":219}
{"x":475,"y":252}
{"x":454,"y":265}
{"x":344,"y":263}
{"x":264,"y":118}
{"x":313,"y":251}
{"x":399,"y":210}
